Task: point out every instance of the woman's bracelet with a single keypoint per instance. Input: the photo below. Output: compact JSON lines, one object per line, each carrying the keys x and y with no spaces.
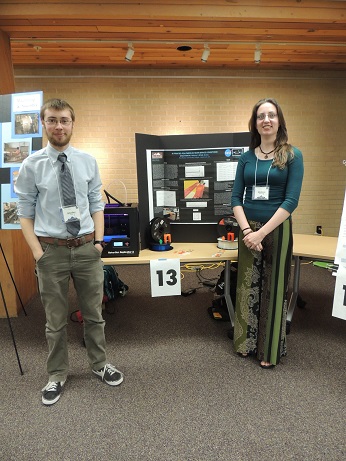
{"x":246,"y":228}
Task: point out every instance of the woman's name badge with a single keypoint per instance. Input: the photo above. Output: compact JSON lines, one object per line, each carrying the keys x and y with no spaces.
{"x":70,"y":213}
{"x":260,"y":193}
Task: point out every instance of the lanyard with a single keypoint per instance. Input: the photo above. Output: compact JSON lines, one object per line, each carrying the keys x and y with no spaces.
{"x":267,"y":173}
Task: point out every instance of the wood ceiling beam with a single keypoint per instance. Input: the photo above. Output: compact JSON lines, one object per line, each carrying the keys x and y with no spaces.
{"x":152,"y":32}
{"x":166,"y":25}
{"x":193,"y":40}
{"x":282,"y":11}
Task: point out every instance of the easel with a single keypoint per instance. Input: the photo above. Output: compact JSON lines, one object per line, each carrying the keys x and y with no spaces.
{"x":5,"y":306}
{"x":14,"y":283}
{"x":10,"y":326}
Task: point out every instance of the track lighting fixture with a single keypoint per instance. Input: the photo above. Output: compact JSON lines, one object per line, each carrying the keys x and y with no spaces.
{"x":258,"y":53}
{"x":130,"y":52}
{"x":206,"y":53}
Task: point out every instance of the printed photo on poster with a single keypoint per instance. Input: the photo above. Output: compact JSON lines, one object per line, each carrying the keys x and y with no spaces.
{"x":15,"y":152}
{"x":25,"y":114}
{"x":171,"y":213}
{"x":196,"y":189}
{"x":14,"y":175}
{"x":27,"y":123}
{"x":10,"y":213}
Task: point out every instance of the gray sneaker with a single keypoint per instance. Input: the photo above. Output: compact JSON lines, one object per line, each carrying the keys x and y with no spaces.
{"x":51,"y":392}
{"x":110,"y":375}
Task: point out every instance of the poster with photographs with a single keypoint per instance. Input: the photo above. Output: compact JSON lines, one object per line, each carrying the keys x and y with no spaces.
{"x":20,"y":136}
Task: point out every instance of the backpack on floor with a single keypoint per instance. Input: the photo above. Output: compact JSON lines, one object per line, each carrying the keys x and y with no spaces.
{"x":218,"y":310}
{"x":113,"y":286}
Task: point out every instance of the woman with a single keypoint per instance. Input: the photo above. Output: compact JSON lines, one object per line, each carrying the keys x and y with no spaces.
{"x":270,"y":174}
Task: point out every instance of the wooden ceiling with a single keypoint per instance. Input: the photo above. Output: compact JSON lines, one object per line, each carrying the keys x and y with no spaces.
{"x":291,"y":34}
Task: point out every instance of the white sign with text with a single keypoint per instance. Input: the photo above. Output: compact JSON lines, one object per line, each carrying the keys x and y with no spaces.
{"x":339,"y":304}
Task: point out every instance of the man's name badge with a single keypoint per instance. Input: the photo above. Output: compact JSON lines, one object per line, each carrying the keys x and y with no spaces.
{"x":70,"y":213}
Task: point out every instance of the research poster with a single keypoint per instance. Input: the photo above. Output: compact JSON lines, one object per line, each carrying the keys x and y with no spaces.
{"x":20,"y":136}
{"x":193,"y":185}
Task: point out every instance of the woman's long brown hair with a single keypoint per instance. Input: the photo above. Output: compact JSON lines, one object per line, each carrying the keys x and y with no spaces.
{"x":283,"y":150}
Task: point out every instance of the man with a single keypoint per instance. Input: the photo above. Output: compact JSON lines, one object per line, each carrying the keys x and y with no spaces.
{"x":63,"y":224}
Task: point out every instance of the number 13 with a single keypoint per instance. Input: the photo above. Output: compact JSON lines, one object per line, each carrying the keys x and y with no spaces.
{"x":172,"y":277}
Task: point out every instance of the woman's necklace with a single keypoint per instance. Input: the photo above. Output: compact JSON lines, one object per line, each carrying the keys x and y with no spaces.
{"x":266,"y":153}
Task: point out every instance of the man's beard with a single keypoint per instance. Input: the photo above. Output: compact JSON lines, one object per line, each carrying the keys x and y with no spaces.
{"x":56,"y":143}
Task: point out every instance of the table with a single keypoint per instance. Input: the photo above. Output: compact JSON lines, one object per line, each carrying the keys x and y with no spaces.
{"x":315,"y":247}
{"x":187,"y":253}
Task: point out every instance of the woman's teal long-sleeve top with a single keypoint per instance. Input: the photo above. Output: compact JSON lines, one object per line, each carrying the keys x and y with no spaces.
{"x":284,"y":185}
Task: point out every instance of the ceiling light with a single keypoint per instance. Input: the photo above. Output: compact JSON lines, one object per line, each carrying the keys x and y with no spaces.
{"x":130,"y":53}
{"x":184,"y":48}
{"x":258,"y":53}
{"x":206,"y":53}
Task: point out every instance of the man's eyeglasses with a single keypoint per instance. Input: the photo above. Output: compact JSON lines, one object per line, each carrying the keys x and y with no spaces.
{"x":270,"y":115}
{"x":54,"y":121}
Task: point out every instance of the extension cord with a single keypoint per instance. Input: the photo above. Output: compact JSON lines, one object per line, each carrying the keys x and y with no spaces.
{"x":208,"y":283}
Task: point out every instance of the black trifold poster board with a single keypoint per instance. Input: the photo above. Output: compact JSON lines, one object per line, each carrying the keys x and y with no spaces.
{"x":189,"y":179}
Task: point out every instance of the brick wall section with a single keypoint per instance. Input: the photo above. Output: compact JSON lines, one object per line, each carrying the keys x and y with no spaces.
{"x":111,"y":106}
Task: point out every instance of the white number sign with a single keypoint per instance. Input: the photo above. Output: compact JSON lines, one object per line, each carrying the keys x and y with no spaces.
{"x":165,"y":277}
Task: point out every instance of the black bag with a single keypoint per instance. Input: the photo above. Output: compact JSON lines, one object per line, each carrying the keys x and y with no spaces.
{"x":113,"y":287}
{"x":218,"y":310}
